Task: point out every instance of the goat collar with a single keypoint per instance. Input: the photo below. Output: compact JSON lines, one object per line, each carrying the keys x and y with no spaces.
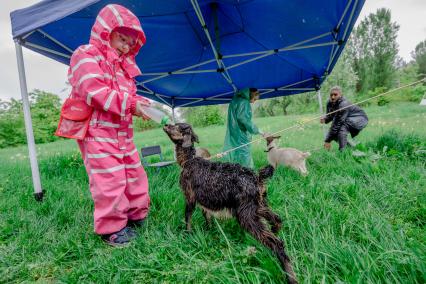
{"x":269,"y":149}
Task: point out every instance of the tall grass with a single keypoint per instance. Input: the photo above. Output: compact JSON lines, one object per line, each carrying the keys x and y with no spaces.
{"x":352,"y":220}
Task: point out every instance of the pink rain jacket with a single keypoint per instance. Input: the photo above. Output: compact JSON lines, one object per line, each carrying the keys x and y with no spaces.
{"x":101,"y":78}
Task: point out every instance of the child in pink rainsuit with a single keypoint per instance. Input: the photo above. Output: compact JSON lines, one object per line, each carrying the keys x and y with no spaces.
{"x":101,"y":73}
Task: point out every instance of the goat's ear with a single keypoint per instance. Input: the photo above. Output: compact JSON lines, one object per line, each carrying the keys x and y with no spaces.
{"x":195,"y":138}
{"x":187,"y":141}
{"x":277,"y":137}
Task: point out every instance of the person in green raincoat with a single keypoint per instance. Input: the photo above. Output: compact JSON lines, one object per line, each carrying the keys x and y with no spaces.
{"x":240,"y":128}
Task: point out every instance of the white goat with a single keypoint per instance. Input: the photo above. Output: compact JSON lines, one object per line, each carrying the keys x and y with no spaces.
{"x":289,"y":157}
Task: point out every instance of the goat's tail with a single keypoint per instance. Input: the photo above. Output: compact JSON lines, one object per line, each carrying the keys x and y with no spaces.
{"x":265,"y":173}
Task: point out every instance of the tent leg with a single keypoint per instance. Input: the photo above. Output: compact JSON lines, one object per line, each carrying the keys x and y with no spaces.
{"x":321,"y":109}
{"x":173,"y":115}
{"x":174,"y":121}
{"x":38,"y":193}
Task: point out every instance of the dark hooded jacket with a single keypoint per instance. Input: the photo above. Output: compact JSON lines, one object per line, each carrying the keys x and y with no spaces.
{"x":353,"y":117}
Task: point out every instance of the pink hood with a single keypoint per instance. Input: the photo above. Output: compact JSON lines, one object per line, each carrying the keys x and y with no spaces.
{"x":109,"y":18}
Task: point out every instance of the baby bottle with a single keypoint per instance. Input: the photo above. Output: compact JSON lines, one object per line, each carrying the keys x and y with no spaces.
{"x":156,"y":115}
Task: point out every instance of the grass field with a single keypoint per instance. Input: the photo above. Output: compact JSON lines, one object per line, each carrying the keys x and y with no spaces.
{"x":352,"y":220}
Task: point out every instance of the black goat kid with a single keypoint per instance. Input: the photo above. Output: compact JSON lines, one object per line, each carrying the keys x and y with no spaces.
{"x":227,"y":188}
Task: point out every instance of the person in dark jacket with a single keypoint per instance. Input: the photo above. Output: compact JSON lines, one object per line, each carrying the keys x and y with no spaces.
{"x":349,"y":120}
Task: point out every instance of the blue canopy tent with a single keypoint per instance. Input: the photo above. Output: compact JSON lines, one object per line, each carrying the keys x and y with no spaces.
{"x":199,"y":52}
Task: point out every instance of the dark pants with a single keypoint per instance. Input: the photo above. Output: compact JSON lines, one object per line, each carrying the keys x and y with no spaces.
{"x":342,"y":136}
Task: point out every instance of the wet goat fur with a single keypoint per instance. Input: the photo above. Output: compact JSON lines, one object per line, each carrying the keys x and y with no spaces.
{"x":216,"y":187}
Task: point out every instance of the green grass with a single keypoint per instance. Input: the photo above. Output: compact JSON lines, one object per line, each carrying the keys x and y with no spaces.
{"x":352,"y":220}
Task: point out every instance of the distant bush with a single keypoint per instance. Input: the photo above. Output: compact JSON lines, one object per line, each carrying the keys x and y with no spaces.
{"x":140,"y":125}
{"x":415,"y":94}
{"x":204,"y":116}
{"x":382,"y":101}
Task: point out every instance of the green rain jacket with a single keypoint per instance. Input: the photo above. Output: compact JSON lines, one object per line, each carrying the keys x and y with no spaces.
{"x":240,"y":129}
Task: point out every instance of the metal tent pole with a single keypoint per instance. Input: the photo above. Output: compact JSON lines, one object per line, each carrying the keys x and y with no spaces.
{"x":38,"y":193}
{"x":174,"y":121}
{"x":321,"y":109}
{"x":173,"y":114}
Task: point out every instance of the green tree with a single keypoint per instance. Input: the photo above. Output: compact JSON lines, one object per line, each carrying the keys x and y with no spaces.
{"x":45,"y":109}
{"x":300,"y":103}
{"x":12,"y":131}
{"x":45,"y":112}
{"x":419,"y":55}
{"x":283,"y":103}
{"x":343,"y":74}
{"x":374,"y":51}
{"x":408,"y":73}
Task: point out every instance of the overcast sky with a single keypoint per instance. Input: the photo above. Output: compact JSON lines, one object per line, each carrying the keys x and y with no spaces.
{"x":46,"y":74}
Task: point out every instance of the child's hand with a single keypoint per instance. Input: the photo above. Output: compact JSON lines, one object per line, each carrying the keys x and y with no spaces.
{"x":139,"y":109}
{"x":144,"y":117}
